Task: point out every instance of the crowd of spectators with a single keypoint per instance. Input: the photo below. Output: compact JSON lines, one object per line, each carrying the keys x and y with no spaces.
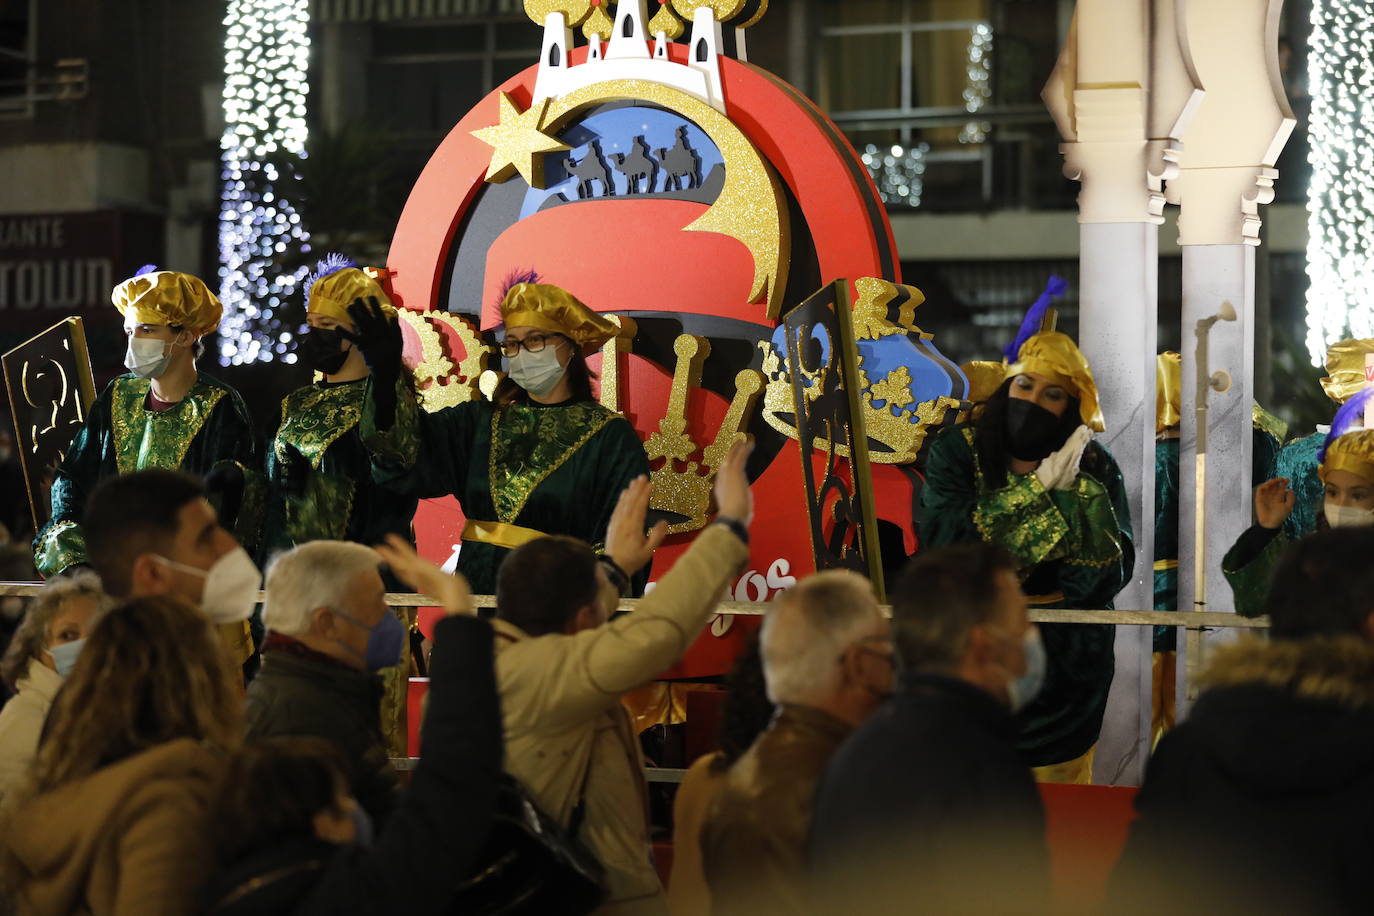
{"x":867,"y":764}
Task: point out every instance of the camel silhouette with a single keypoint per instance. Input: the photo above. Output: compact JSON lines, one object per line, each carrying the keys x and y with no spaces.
{"x":637,"y":167}
{"x":680,"y":163}
{"x":590,"y":169}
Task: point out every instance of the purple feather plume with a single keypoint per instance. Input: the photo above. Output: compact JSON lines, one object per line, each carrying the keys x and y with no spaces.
{"x":331,"y":263}
{"x":1035,"y":315}
{"x":514,"y":279}
{"x":146,"y":269}
{"x":1350,"y":416}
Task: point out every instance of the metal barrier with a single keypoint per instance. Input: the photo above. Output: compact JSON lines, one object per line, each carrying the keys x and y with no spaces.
{"x":1194,"y":623}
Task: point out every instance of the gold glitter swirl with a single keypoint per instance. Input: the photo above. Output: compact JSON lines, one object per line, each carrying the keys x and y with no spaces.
{"x":599,"y":23}
{"x":664,"y":21}
{"x":751,"y":206}
{"x":723,"y":10}
{"x":574,"y":11}
{"x":895,"y":389}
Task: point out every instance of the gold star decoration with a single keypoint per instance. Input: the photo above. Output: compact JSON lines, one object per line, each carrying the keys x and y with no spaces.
{"x":519,"y":143}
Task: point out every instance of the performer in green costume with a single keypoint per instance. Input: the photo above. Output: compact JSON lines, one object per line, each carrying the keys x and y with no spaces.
{"x":319,"y":470}
{"x":163,"y":414}
{"x":1027,"y":476}
{"x":1345,"y":470}
{"x":1297,"y":462}
{"x":543,"y":457}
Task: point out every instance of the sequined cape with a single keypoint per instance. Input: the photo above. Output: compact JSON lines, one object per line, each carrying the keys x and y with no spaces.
{"x":339,"y":500}
{"x":208,"y":426}
{"x":558,"y":469}
{"x":1298,"y":462}
{"x":1077,"y":541}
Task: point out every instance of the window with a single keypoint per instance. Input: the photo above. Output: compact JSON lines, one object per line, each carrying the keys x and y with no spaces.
{"x":18,"y":27}
{"x":941,"y":97}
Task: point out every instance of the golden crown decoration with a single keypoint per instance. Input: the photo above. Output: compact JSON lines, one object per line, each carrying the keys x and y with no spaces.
{"x":443,"y":378}
{"x":682,"y":484}
{"x":897,"y":422}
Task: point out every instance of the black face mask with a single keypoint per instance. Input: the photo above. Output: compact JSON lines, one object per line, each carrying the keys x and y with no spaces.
{"x":320,"y":350}
{"x":1033,"y":432}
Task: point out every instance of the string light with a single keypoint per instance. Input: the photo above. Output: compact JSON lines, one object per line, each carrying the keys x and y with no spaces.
{"x":1340,"y":247}
{"x":898,"y":172}
{"x":978,"y":87}
{"x":266,"y":54}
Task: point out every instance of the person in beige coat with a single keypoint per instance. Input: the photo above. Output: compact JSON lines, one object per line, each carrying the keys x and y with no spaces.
{"x":113,"y":817}
{"x":43,"y":649}
{"x":561,"y":670}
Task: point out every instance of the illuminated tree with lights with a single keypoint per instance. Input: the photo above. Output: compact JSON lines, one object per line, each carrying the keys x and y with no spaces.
{"x":1340,"y":247}
{"x":266,"y":53}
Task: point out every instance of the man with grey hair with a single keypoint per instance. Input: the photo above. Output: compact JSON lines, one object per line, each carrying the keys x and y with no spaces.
{"x":329,"y":633}
{"x":928,"y":807}
{"x":827,"y":662}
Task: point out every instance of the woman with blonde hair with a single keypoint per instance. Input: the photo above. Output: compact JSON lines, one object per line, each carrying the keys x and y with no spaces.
{"x":43,"y":650}
{"x":113,"y":816}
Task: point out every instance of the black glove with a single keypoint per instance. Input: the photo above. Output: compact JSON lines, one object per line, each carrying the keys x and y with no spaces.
{"x":379,"y":339}
{"x":224,"y":489}
{"x":292,"y":472}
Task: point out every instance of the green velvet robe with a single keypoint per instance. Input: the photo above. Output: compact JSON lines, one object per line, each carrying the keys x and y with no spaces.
{"x":340,"y":501}
{"x":1298,"y":462}
{"x":1166,"y":539}
{"x":558,"y":469}
{"x":1249,"y":566}
{"x":209,"y":426}
{"x":1077,"y":541}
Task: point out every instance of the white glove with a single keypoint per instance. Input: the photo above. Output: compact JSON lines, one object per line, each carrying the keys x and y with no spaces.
{"x":1060,"y":469}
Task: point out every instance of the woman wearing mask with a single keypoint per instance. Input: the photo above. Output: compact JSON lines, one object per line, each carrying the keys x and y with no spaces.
{"x":1346,"y":471}
{"x":163,"y":414}
{"x":543,"y":457}
{"x":114,"y":817}
{"x":43,"y":651}
{"x":1027,"y":476}
{"x":318,"y":468}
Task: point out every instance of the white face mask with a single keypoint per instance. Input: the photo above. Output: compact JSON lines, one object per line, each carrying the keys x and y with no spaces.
{"x":538,"y":373}
{"x":231,"y":586}
{"x":148,"y":357}
{"x":1348,"y":516}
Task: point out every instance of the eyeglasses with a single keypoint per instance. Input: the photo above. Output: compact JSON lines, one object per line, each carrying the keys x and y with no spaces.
{"x":532,"y":342}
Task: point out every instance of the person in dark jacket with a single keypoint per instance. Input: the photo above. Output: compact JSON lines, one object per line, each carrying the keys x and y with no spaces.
{"x":928,"y":807}
{"x":297,"y":841}
{"x":330,"y":633}
{"x":1261,"y":801}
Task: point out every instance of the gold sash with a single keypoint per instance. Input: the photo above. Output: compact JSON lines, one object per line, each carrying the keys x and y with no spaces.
{"x":499,"y":533}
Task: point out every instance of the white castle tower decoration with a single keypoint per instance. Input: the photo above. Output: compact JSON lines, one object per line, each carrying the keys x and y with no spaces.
{"x":629,"y":55}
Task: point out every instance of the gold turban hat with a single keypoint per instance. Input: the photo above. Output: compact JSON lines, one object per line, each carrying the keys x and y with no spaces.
{"x":166,"y":297}
{"x":984,"y":378}
{"x":1345,"y":368}
{"x":554,"y":309}
{"x":1353,"y":452}
{"x":1168,"y":390}
{"x":337,"y":282}
{"x":1056,"y":357}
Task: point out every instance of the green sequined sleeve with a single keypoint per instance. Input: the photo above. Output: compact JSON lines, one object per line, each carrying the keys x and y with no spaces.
{"x":62,"y":543}
{"x":423,"y":454}
{"x":950,"y":492}
{"x":1100,"y":555}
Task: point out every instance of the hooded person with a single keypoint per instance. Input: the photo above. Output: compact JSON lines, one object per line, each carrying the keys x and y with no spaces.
{"x":164,"y":413}
{"x":1027,"y":476}
{"x":1345,"y":469}
{"x":1259,"y":802}
{"x":543,"y":457}
{"x":1297,"y":461}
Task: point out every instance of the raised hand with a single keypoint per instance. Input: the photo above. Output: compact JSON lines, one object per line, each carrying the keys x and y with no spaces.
{"x":731,"y":492}
{"x":1274,"y":502}
{"x":1060,"y":469}
{"x":379,"y":338}
{"x":626,"y":542}
{"x":451,"y":592}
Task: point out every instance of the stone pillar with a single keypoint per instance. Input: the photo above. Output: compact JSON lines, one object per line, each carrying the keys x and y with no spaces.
{"x":1119,"y":95}
{"x":1226,"y":172}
